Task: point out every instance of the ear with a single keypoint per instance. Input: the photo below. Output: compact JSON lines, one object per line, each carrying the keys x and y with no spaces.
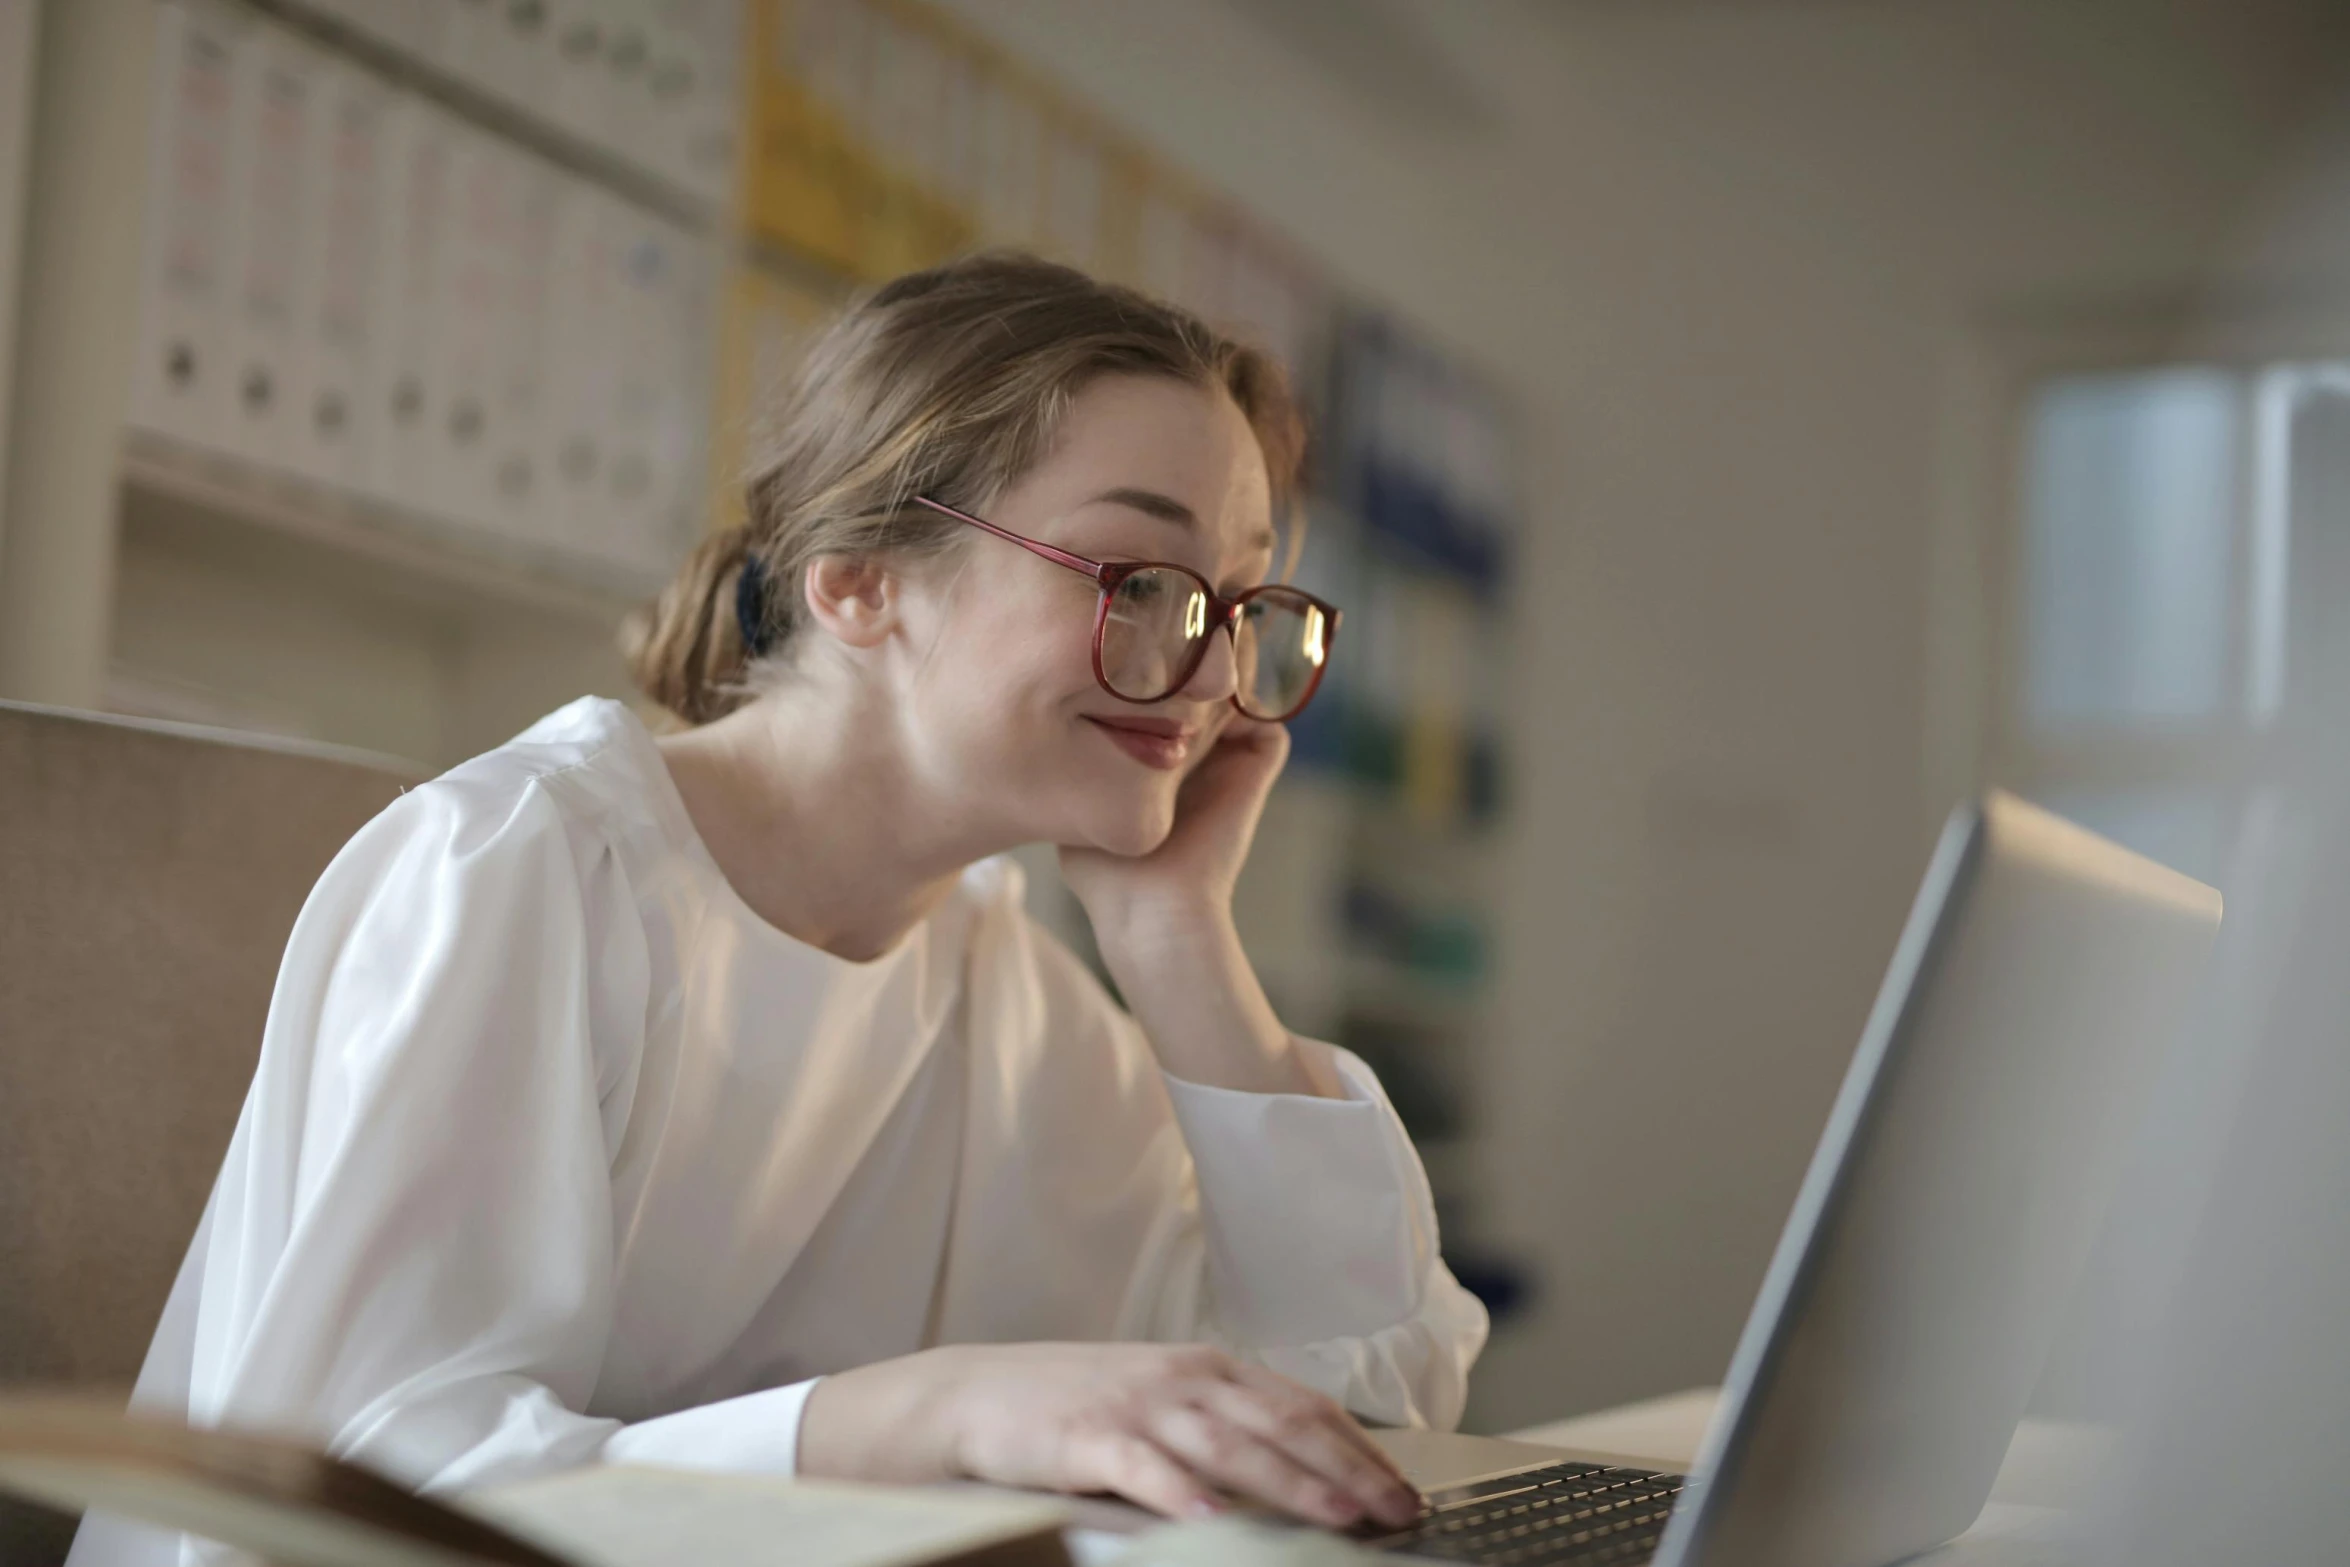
{"x":853,"y":597}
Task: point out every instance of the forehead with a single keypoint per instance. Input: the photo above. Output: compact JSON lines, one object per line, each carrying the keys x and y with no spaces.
{"x":1190,"y":443}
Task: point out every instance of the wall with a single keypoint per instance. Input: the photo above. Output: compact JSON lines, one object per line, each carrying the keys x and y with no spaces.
{"x":19,"y":24}
{"x":1728,"y":256}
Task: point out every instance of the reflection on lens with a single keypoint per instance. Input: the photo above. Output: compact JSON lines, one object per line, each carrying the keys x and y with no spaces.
{"x":1280,"y":645}
{"x":1155,"y":617}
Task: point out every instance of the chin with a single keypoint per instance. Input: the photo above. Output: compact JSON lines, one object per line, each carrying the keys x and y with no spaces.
{"x":1134,"y":826}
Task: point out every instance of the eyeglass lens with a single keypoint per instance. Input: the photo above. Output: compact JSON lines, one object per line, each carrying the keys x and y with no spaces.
{"x":1158,"y":617}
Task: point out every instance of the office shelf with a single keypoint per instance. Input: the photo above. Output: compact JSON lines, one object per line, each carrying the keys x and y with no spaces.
{"x":171,"y":487}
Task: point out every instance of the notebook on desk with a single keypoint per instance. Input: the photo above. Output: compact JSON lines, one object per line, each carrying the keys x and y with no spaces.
{"x":292,"y":1505}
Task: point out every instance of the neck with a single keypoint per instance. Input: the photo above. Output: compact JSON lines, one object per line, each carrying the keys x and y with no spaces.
{"x":816,"y":820}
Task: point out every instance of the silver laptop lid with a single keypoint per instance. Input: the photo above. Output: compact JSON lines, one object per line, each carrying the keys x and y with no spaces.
{"x":1952,"y":1200}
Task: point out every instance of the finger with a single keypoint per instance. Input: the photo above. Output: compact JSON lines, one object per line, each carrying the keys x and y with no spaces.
{"x":1314,"y":1432}
{"x":1260,"y":744}
{"x":1221,"y":1451}
{"x":1239,"y":768}
{"x":1131,"y":1467}
{"x":1280,"y":1389}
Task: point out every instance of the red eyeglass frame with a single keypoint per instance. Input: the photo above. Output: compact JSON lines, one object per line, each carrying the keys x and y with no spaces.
{"x":1223,"y":613}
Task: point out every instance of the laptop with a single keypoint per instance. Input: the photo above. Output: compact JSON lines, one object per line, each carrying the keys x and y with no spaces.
{"x":1918,"y":1285}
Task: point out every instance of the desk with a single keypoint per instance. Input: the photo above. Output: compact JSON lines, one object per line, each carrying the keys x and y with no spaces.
{"x":2050,"y":1466}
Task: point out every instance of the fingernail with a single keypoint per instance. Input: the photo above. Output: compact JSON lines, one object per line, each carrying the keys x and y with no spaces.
{"x":1201,"y":1507}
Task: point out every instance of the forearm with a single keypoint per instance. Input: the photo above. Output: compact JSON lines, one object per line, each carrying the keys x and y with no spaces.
{"x":1189,"y":983}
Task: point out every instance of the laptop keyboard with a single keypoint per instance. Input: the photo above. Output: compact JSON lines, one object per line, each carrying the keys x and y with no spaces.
{"x":1565,"y":1515}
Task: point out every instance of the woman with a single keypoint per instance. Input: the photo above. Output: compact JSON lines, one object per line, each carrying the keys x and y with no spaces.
{"x":709,"y":1099}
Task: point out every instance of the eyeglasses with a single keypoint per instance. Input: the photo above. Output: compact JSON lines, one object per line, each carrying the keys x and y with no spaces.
{"x":1153,"y":622}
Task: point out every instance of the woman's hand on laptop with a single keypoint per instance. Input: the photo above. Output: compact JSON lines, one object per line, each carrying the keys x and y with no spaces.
{"x":1167,"y":1426}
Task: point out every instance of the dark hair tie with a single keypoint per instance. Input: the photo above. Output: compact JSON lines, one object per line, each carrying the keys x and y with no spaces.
{"x":750,"y":607}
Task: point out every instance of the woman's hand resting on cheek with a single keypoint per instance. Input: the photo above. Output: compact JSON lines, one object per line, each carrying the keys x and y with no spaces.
{"x":1191,"y":875}
{"x":1168,"y":1426}
{"x":1163,"y":921}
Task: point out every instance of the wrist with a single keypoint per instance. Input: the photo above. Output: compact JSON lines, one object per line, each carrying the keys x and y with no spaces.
{"x":1162,"y":926}
{"x":896,"y":1421}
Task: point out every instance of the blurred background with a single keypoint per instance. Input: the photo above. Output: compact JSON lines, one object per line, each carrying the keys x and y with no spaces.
{"x":1743,"y":428}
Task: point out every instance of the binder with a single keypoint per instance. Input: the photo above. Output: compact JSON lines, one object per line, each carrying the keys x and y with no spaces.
{"x":578,"y":77}
{"x":660,"y":443}
{"x":466,"y":40}
{"x":681,"y":455}
{"x":580,"y":368}
{"x":696,"y":94}
{"x":470,"y":324}
{"x":517,"y":64}
{"x":518,"y":460}
{"x":181,"y":385}
{"x":624,"y":122}
{"x":642,"y":417}
{"x":407,"y":403}
{"x":277,"y":84}
{"x":710,"y":135}
{"x":673,"y":81}
{"x":344,"y":204}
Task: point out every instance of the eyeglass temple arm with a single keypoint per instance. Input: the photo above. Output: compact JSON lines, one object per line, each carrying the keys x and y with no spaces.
{"x":1059,"y":557}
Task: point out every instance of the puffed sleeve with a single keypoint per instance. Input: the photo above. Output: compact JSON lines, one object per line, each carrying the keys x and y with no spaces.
{"x":1318,"y":1247}
{"x":408,"y":1253}
{"x":1294,"y":1231}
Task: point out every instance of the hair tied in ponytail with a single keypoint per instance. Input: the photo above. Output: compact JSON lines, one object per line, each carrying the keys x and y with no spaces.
{"x":750,"y":607}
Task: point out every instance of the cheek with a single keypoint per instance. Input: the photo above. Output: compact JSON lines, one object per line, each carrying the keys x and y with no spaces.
{"x":1005,"y":672}
{"x":1032,"y":656}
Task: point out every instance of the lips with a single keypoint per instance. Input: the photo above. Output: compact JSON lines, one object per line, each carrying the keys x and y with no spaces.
{"x":1161,"y":743}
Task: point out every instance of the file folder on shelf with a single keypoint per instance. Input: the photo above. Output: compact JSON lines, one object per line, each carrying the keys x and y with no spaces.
{"x":278,"y":78}
{"x":340,"y":292}
{"x":655,"y":431}
{"x":347,"y":281}
{"x":407,"y":404}
{"x":471,"y":323}
{"x":182,"y":382}
{"x":517,"y":459}
{"x":586,"y":235}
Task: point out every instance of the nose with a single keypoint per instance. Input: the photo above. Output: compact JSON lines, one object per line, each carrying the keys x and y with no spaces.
{"x":1218,"y":674}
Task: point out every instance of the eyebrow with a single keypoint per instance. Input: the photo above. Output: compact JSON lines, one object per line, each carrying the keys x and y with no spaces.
{"x":1164,"y":507}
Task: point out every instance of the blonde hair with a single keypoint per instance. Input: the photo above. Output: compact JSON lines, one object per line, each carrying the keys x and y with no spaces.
{"x":949,"y":384}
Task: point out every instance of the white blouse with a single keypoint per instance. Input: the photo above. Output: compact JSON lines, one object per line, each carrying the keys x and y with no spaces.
{"x":557,"y":1153}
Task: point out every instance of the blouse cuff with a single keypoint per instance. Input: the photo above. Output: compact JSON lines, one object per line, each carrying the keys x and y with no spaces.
{"x":756,"y":1433}
{"x":1317,"y":1216}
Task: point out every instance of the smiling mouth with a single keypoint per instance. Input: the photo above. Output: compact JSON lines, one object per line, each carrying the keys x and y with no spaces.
{"x":1159,"y":743}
